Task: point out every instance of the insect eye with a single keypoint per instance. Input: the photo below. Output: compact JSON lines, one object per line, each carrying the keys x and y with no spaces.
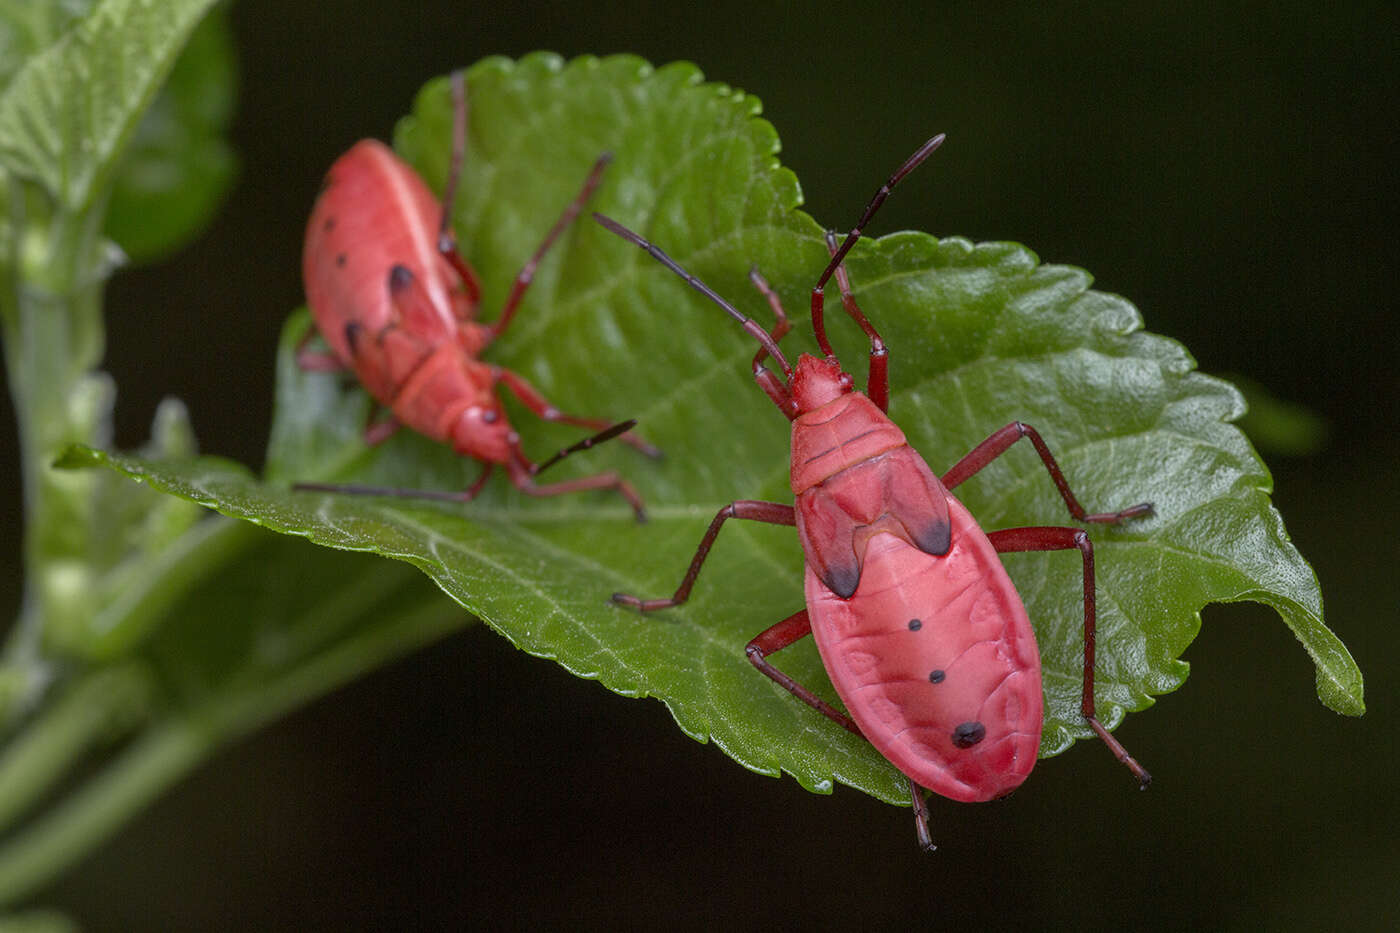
{"x":490,"y":417}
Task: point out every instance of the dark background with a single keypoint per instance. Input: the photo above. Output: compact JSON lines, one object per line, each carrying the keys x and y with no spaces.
{"x":1231,"y":171}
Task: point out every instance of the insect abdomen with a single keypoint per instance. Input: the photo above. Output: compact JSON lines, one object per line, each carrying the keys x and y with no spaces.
{"x":374,"y":213}
{"x":936,"y":661}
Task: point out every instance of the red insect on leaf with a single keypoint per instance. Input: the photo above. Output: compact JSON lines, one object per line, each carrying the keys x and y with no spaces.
{"x":918,"y":625}
{"x":397,"y":305}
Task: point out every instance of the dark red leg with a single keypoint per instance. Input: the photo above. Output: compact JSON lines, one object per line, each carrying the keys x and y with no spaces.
{"x":315,"y":361}
{"x":877,"y":382}
{"x":777,"y":638}
{"x":769,"y":382}
{"x":544,"y":409}
{"x":916,"y":793}
{"x":996,"y":445}
{"x":447,"y":241}
{"x":526,"y":275}
{"x":522,"y":476}
{"x":1064,"y":539}
{"x":838,"y":255}
{"x":522,"y":473}
{"x":377,"y":432}
{"x":781,"y":326}
{"x":774,"y":513}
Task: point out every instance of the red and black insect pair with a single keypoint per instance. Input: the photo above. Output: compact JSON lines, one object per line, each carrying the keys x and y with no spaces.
{"x":918,"y":625}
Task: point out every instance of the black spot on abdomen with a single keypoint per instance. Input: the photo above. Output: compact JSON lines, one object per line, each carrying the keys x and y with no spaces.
{"x":969,"y":734}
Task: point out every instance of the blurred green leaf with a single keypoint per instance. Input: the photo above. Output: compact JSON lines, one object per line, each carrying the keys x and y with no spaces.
{"x":39,"y":921}
{"x":980,"y":335}
{"x":26,"y":28}
{"x":178,"y":166}
{"x":140,"y":621}
{"x":1277,"y":426}
{"x":140,"y":557}
{"x":70,"y":107}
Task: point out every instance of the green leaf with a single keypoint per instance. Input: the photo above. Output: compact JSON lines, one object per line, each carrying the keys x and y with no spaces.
{"x":70,"y":108}
{"x":26,"y":28}
{"x":178,"y":166}
{"x":142,"y":553}
{"x":980,"y":335}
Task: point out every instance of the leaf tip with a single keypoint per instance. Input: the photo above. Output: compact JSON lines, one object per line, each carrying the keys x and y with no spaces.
{"x":1348,"y":699}
{"x":78,"y":457}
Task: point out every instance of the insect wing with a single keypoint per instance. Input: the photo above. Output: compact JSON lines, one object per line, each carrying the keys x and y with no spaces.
{"x":936,"y":661}
{"x":374,"y":214}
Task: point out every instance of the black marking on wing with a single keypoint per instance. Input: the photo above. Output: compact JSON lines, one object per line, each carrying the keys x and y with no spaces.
{"x":842,"y":578}
{"x":352,"y":336}
{"x":933,"y":537}
{"x":400,"y":277}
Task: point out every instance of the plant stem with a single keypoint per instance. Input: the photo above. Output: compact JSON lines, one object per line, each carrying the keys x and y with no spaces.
{"x":70,"y":829}
{"x":90,"y":712}
{"x":173,"y":746}
{"x":50,"y":310}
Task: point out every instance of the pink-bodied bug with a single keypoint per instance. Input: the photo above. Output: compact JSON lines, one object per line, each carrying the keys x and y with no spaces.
{"x":397,"y":304}
{"x":916,"y":621}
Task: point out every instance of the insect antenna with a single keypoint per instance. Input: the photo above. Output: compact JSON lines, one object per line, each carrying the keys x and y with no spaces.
{"x":818,"y":323}
{"x":606,"y":434}
{"x":749,"y":324}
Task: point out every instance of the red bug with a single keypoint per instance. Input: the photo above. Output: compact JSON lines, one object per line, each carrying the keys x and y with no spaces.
{"x":916,"y":621}
{"x":397,"y":304}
